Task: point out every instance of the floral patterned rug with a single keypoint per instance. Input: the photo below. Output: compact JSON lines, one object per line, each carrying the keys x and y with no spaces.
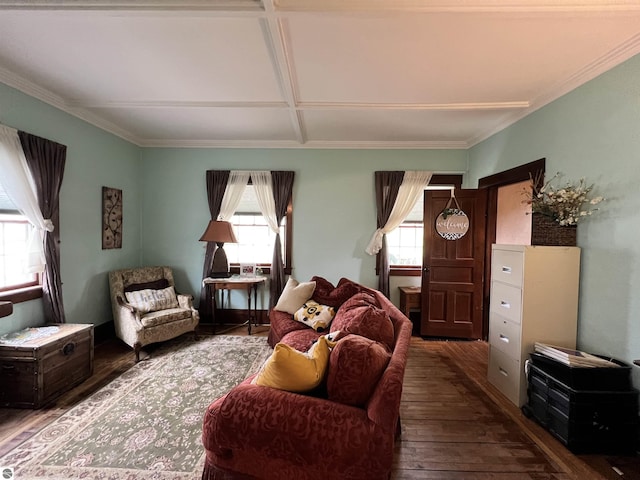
{"x":146,"y":424}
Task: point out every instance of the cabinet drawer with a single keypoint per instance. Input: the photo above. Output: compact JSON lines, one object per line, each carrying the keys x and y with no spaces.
{"x":506,"y":301}
{"x":504,"y":335}
{"x":506,"y":266}
{"x":504,"y":373}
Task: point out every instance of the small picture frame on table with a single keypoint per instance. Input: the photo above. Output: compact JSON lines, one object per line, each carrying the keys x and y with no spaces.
{"x":247,"y":269}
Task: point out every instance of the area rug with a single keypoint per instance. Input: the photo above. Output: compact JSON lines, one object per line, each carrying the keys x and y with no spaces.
{"x":147,"y":423}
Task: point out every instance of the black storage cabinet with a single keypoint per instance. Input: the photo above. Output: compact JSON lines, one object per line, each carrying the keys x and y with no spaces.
{"x":601,"y":416}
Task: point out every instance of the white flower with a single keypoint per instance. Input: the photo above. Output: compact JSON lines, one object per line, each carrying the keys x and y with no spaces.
{"x":565,"y":205}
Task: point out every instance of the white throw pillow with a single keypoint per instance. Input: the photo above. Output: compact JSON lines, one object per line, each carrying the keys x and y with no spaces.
{"x":294,"y":295}
{"x":152,"y":300}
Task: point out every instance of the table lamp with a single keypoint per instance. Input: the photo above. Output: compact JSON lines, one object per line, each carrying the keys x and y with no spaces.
{"x":220,"y":232}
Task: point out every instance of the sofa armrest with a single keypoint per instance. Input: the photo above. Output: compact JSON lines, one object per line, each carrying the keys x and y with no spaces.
{"x":288,"y":425}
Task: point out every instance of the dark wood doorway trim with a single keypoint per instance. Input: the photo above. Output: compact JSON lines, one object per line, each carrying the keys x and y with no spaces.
{"x":521,"y":173}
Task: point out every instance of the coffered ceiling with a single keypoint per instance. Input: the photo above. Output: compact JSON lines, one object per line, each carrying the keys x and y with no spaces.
{"x":309,"y":73}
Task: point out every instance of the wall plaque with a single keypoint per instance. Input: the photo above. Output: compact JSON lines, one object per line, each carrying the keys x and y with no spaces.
{"x":452,"y":223}
{"x":111,"y":218}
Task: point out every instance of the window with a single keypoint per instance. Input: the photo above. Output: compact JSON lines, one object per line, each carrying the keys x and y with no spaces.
{"x":255,"y":238}
{"x":14,"y":233}
{"x":404,"y":244}
{"x":15,"y":284}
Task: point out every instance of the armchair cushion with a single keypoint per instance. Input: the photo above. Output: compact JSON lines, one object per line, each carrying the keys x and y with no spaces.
{"x":151,"y":300}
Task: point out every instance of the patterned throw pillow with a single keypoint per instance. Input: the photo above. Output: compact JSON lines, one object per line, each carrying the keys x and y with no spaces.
{"x":152,"y":300}
{"x":315,"y":315}
{"x":294,"y":371}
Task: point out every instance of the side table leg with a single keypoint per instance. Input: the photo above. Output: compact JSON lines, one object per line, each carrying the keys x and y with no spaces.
{"x":249,"y":306}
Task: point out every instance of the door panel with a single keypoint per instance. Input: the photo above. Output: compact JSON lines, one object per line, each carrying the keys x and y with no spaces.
{"x":452,"y":277}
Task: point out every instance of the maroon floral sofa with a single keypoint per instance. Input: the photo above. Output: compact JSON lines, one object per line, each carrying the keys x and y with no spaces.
{"x":344,"y":429}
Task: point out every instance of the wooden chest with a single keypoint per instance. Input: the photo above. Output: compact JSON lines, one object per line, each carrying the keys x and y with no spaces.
{"x":37,"y":365}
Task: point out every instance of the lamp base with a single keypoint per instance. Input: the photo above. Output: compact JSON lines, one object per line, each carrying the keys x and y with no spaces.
{"x":220,"y":267}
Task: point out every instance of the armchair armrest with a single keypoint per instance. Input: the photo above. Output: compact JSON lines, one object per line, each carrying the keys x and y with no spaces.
{"x":123,"y":303}
{"x":296,"y":427}
{"x":185,"y":301}
{"x":128,"y":311}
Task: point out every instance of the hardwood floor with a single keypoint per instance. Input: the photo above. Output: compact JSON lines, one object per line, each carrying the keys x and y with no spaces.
{"x":455,"y":425}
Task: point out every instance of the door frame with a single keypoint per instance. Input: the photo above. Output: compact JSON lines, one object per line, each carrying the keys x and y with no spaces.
{"x":492,"y":183}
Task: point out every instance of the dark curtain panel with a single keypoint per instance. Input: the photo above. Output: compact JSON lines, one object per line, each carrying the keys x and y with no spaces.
{"x":282,"y":184}
{"x":216,"y":186}
{"x":387,"y":186}
{"x":46,"y":160}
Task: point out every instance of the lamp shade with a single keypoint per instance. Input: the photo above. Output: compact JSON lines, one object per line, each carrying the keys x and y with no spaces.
{"x":220,"y":232}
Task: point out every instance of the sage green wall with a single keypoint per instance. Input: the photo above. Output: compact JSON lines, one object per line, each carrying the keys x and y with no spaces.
{"x":333,"y":198}
{"x":592,"y":132}
{"x":95,"y":159}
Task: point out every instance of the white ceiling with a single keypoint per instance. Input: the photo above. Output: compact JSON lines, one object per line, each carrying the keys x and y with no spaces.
{"x":309,"y":73}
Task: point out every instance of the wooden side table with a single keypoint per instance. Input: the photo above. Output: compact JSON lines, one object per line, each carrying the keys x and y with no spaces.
{"x":249,"y":284}
{"x":410,"y":297}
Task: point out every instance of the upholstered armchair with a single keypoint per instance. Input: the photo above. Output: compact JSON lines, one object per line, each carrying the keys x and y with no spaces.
{"x":146,"y":308}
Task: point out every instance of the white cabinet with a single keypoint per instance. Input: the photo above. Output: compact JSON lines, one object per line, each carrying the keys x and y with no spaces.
{"x":534,"y":298}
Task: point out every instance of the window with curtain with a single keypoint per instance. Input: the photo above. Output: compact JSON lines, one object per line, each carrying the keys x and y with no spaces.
{"x":14,"y":234}
{"x":255,"y":238}
{"x":404,"y":244}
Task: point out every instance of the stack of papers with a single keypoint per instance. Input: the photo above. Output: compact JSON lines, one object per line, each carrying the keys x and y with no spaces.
{"x":573,"y":358}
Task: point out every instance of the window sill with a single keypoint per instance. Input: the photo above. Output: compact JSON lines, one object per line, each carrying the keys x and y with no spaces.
{"x":402,"y":271}
{"x":21,"y":294}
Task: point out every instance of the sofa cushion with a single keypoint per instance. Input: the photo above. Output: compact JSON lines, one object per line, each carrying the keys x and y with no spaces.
{"x":355,"y":366}
{"x":150,"y":300}
{"x":326,"y":294}
{"x":315,"y":315}
{"x":294,"y":371}
{"x":294,"y":295}
{"x":301,"y":340}
{"x":360,"y":317}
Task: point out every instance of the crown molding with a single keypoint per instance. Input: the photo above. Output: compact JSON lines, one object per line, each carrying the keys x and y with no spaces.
{"x":33,"y":90}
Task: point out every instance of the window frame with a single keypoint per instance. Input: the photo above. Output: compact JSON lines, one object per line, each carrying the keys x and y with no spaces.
{"x":453,"y":180}
{"x":25,"y":292}
{"x":288,"y":243}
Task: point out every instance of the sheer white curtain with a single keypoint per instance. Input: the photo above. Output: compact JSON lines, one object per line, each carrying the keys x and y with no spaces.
{"x":264,"y":194}
{"x":18,"y":183}
{"x":236,"y":184}
{"x":413,"y":184}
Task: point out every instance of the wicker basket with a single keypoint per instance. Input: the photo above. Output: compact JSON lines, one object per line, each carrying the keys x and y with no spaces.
{"x":546,"y":231}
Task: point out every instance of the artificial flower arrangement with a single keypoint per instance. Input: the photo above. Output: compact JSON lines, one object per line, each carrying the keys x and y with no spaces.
{"x":566,"y":205}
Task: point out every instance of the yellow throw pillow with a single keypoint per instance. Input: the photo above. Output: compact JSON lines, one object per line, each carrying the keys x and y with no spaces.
{"x":294,"y":371}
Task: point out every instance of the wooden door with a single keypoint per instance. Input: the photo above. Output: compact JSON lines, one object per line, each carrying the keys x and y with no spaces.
{"x":453,"y":270}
